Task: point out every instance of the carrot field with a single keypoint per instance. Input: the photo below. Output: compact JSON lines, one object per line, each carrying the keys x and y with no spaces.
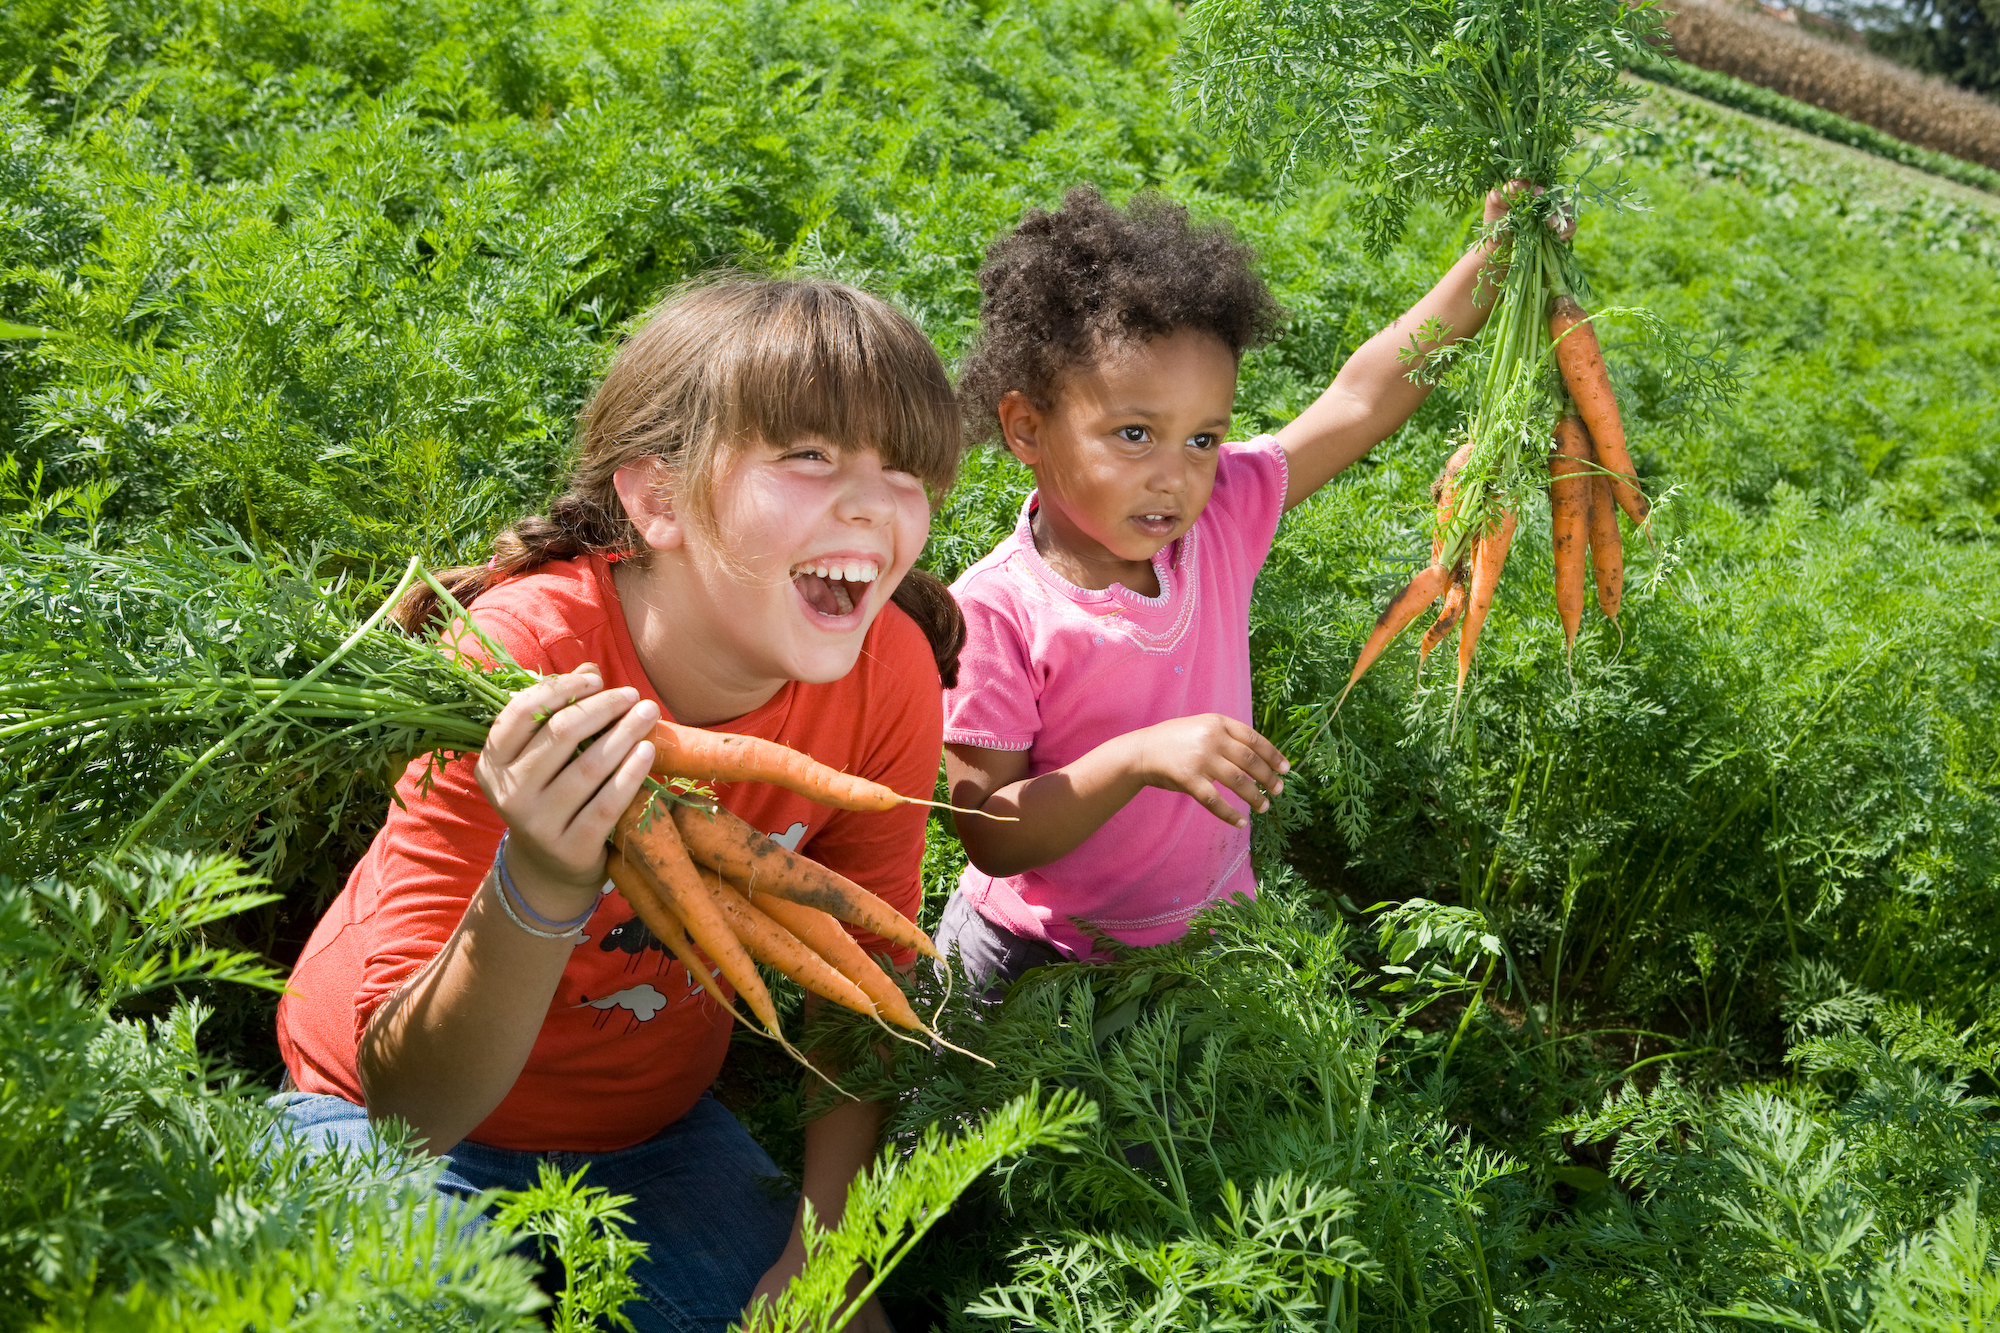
{"x":1653,"y":985}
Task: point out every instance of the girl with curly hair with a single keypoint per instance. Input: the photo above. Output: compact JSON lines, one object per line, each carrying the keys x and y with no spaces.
{"x":1105,"y":679}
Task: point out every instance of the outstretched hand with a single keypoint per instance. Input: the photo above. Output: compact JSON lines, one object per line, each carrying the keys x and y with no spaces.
{"x":1200,"y":755}
{"x":560,"y":805}
{"x":1498,"y":201}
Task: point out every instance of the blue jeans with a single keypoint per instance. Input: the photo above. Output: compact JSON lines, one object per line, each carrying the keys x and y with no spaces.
{"x":703,"y":1261}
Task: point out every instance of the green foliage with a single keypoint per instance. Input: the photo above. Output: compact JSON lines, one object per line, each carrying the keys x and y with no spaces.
{"x":223,"y":689}
{"x":338,"y":276}
{"x":1441,"y":100}
{"x":147,"y":1187}
{"x":582,"y":1221}
{"x":1792,"y":1208}
{"x":1260,"y":1158}
{"x":901,"y":1198}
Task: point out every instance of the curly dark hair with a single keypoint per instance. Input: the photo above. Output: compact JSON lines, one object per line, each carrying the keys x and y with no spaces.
{"x":1062,"y":285}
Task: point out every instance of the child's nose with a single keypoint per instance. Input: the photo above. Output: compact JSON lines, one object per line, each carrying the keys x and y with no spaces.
{"x":868,"y":496}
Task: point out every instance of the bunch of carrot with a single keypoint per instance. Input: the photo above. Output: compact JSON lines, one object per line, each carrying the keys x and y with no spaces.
{"x":1590,"y":472}
{"x":707,"y":884}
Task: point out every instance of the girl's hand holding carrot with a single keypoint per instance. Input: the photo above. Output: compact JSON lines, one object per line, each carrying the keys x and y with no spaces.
{"x":1499,"y":201}
{"x":560,"y":803}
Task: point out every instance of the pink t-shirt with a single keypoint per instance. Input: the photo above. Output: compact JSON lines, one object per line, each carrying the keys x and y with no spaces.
{"x":1057,"y":670}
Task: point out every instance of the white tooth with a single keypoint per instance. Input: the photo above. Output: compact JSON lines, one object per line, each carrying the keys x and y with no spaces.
{"x":820,"y":570}
{"x":851,"y":572}
{"x":865,"y":573}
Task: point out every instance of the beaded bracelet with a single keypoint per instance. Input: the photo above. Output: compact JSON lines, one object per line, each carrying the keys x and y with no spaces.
{"x":510,"y":897}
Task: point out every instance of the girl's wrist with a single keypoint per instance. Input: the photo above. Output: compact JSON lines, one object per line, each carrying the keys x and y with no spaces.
{"x":1134,"y":762}
{"x":547,"y":903}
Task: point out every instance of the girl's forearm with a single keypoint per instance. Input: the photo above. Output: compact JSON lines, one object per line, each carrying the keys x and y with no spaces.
{"x":1057,"y":810}
{"x":1460,"y":302}
{"x":444,"y":1050}
{"x":839,"y":1146}
{"x":1372,"y":395}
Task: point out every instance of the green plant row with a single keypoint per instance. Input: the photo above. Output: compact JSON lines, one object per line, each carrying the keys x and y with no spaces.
{"x":1734,"y":92}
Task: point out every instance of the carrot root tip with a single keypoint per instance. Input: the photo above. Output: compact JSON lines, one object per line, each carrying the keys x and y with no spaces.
{"x":959,"y":809}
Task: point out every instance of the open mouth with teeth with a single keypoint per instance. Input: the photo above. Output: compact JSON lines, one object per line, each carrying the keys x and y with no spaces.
{"x":833,"y":589}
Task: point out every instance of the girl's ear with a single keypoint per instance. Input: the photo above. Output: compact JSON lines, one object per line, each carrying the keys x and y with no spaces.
{"x":643,"y":490}
{"x":1021,"y":426}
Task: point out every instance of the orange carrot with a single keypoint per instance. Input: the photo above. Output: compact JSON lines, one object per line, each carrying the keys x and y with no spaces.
{"x":740,"y":854}
{"x":1489,"y":553}
{"x":650,"y":903}
{"x":1444,"y":494}
{"x":774,"y":946}
{"x":1569,"y":508}
{"x":1404,"y":607}
{"x":1607,"y":551}
{"x":1582,"y":363}
{"x":830,"y":940}
{"x":718,"y":756}
{"x":1454,"y":607}
{"x":657,"y":850}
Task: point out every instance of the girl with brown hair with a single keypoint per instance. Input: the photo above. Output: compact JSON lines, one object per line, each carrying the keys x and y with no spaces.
{"x":752,"y":486}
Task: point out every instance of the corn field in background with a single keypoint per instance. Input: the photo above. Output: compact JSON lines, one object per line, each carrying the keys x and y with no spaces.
{"x":1657,"y":992}
{"x":1788,"y":59}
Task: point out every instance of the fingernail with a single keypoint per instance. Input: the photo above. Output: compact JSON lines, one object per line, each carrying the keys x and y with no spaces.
{"x":1279,"y":788}
{"x":1284,"y":765}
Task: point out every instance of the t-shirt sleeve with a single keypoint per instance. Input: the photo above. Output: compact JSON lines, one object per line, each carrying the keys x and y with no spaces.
{"x":996,"y":704}
{"x":883,"y":851}
{"x":432,"y":853}
{"x":1249,"y":496}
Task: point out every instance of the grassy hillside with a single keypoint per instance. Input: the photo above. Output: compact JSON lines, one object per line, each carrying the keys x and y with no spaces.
{"x":338,"y":276}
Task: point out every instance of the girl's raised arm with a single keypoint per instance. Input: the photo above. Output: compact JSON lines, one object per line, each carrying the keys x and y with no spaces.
{"x":1372,"y":395}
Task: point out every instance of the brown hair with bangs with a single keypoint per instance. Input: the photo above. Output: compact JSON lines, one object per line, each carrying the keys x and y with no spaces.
{"x":716,"y":368}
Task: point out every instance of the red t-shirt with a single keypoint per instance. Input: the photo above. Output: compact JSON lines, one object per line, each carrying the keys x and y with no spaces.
{"x":629,"y":1042}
